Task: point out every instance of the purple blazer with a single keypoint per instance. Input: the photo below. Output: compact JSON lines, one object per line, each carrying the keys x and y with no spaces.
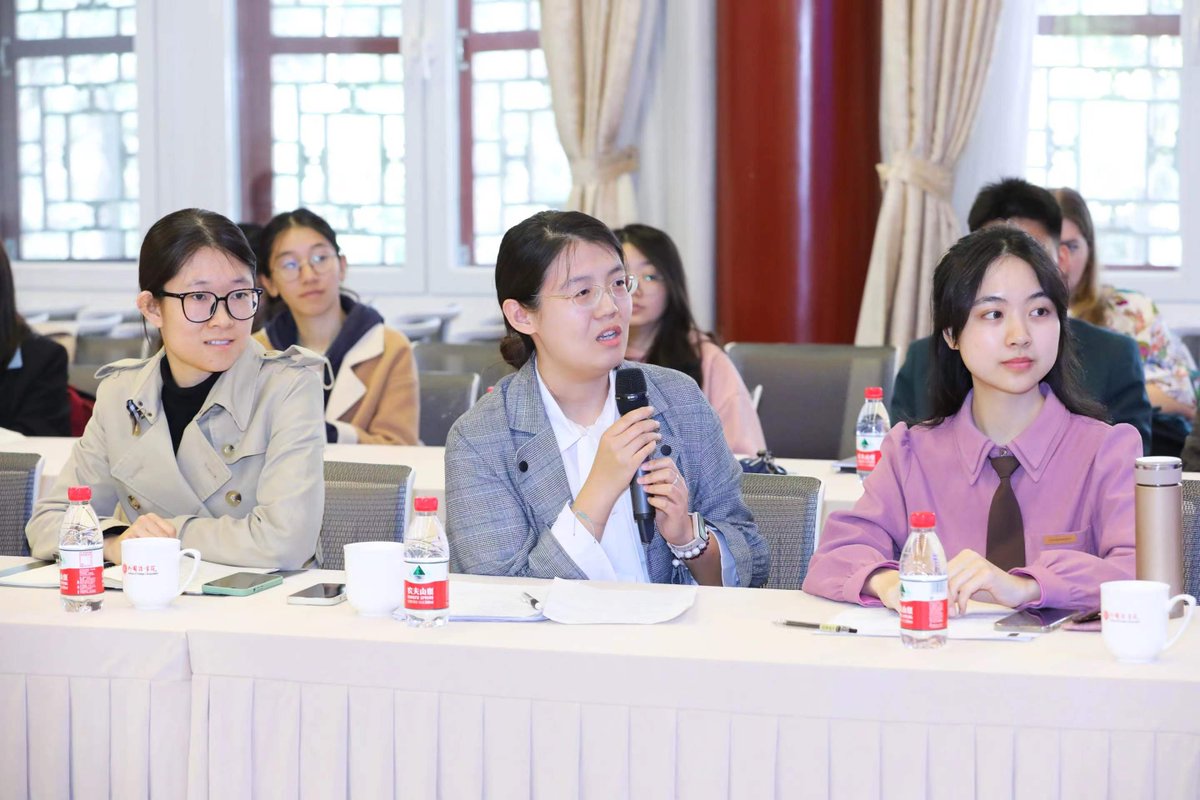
{"x":1075,"y":488}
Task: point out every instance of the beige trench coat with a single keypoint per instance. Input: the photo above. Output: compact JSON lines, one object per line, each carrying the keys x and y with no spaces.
{"x":247,"y":485}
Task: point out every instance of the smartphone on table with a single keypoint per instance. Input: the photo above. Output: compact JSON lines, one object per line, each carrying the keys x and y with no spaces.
{"x":241,"y":584}
{"x":1038,"y":620}
{"x":320,"y":594}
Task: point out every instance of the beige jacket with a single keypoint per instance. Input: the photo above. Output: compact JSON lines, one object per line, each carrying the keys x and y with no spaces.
{"x":375,"y":397}
{"x":247,"y":485}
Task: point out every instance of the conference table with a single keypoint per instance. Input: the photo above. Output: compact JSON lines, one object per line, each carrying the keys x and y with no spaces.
{"x":840,"y":489}
{"x":248,"y":696}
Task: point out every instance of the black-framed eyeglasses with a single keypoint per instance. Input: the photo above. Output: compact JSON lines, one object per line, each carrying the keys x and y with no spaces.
{"x":202,"y":306}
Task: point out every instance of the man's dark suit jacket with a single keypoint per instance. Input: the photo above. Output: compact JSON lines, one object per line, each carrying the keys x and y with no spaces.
{"x":1191,"y":448}
{"x":1112,"y":375}
{"x":33,"y":398}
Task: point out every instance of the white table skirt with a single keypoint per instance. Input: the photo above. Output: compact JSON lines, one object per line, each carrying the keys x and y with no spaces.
{"x":720,"y":703}
{"x":90,"y":707}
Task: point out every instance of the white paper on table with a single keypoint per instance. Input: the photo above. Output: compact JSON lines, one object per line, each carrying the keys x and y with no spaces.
{"x":209,"y":571}
{"x":585,"y":602}
{"x":978,"y":623}
{"x":490,"y":602}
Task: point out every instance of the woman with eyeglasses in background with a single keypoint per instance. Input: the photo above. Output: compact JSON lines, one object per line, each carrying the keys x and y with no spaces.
{"x":538,"y":471}
{"x":211,"y":440}
{"x":662,"y":331}
{"x":374,"y":397}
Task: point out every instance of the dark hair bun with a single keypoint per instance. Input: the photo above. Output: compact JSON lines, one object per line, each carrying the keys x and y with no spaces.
{"x":513,"y":350}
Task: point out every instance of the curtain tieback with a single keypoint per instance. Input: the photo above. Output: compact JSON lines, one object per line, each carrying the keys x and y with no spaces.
{"x":606,"y":167}
{"x":931,"y":178}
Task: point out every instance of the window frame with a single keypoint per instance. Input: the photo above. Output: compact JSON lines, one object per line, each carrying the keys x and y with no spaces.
{"x":1159,"y":281}
{"x":11,"y":50}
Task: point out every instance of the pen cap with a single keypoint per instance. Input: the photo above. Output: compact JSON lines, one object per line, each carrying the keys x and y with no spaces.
{"x":1158,"y":522}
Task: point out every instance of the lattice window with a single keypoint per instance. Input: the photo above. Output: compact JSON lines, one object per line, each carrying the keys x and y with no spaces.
{"x":512,"y":159}
{"x":68,"y":128}
{"x":1104,"y":119}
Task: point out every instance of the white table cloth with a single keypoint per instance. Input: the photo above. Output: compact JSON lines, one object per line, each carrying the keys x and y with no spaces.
{"x":719,"y":703}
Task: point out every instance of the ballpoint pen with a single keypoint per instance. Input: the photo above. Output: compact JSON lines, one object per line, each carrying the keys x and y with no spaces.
{"x":827,"y":627}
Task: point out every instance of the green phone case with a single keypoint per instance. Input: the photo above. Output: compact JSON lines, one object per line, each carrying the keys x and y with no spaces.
{"x":275,"y":581}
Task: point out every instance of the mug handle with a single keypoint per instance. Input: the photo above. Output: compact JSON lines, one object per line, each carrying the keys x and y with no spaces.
{"x":1190,"y":604}
{"x":195,"y":556}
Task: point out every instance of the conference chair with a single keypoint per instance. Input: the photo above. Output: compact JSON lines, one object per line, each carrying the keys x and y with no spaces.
{"x":445,"y":396}
{"x":363,"y":503}
{"x":1191,"y":537}
{"x":1191,"y":340}
{"x":812,"y":393}
{"x":787,"y":509}
{"x":479,"y":357}
{"x":19,"y":476}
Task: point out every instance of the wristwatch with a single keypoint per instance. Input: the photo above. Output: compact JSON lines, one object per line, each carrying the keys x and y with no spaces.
{"x":699,"y":542}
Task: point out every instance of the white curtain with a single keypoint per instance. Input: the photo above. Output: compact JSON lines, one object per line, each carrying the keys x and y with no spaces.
{"x":597,"y":56}
{"x":936,"y":55}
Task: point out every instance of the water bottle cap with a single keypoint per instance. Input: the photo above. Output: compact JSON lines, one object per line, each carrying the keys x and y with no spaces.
{"x":921,"y":519}
{"x":425,"y":504}
{"x":873,"y":393}
{"x":80,"y":494}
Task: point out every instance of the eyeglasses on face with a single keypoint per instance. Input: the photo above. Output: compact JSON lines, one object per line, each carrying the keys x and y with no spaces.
{"x":202,"y":306}
{"x":619,"y":289}
{"x":319,"y":261}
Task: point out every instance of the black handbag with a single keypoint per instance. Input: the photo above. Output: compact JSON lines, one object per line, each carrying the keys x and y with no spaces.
{"x":762,"y":464}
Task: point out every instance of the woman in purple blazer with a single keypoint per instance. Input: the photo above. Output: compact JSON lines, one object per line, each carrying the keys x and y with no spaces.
{"x":1005,"y":383}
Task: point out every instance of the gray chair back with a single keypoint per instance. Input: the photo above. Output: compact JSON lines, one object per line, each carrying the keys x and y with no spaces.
{"x":812,"y":393}
{"x":787,"y":509}
{"x":363,"y":503}
{"x":445,"y":396}
{"x":101,"y":350}
{"x":1191,"y":537}
{"x":479,"y":357}
{"x":19,"y":473}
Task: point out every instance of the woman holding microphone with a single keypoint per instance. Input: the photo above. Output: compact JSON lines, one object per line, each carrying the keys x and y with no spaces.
{"x":538,"y":472}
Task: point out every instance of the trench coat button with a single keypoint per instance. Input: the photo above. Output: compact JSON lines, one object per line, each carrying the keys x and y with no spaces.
{"x":134,"y":504}
{"x":227,"y":450}
{"x":666,"y":450}
{"x":523,"y":466}
{"x":233,"y":498}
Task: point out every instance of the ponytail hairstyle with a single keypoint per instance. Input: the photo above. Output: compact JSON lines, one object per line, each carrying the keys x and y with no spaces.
{"x":527,"y":253}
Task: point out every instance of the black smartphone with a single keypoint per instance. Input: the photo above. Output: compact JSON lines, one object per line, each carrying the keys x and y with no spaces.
{"x":1036,"y":620}
{"x":242,"y":583}
{"x":320,"y":594}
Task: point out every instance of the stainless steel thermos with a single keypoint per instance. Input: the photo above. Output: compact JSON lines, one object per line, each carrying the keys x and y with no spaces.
{"x":1158,"y":498}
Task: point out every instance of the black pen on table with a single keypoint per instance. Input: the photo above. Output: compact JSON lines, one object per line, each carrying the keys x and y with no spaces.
{"x":826,"y":627}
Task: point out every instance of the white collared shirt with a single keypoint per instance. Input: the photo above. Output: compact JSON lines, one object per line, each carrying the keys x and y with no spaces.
{"x":619,"y":555}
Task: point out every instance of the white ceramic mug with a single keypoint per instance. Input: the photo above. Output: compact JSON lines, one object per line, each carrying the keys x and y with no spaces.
{"x":1133,"y":618}
{"x":375,"y":577}
{"x":150,"y":571}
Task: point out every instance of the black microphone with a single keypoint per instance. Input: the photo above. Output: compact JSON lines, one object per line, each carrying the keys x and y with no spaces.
{"x":631,"y":394}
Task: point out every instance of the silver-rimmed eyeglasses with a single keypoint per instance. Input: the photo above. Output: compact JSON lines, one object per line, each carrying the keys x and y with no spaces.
{"x":319,"y":261}
{"x":619,"y":289}
{"x":202,"y":306}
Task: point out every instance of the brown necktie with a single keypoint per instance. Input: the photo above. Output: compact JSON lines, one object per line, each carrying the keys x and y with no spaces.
{"x":1005,"y":530}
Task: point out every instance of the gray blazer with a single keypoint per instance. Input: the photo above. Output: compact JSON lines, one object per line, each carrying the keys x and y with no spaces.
{"x":247,"y":485}
{"x":505,"y":482}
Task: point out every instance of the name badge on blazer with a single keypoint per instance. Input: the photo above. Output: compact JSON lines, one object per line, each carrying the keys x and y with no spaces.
{"x":1060,"y":538}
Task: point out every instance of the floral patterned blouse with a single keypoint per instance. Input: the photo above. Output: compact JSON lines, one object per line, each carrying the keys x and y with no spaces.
{"x":1166,"y":360}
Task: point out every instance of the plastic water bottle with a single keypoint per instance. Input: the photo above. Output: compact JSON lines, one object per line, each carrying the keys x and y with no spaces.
{"x":923,"y":587}
{"x":81,"y":554}
{"x":426,"y":567}
{"x":869,"y":431}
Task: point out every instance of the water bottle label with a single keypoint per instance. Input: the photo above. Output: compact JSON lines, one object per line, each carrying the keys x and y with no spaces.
{"x":427,"y":585}
{"x":867,"y":452}
{"x":923,"y":605}
{"x":81,"y":571}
